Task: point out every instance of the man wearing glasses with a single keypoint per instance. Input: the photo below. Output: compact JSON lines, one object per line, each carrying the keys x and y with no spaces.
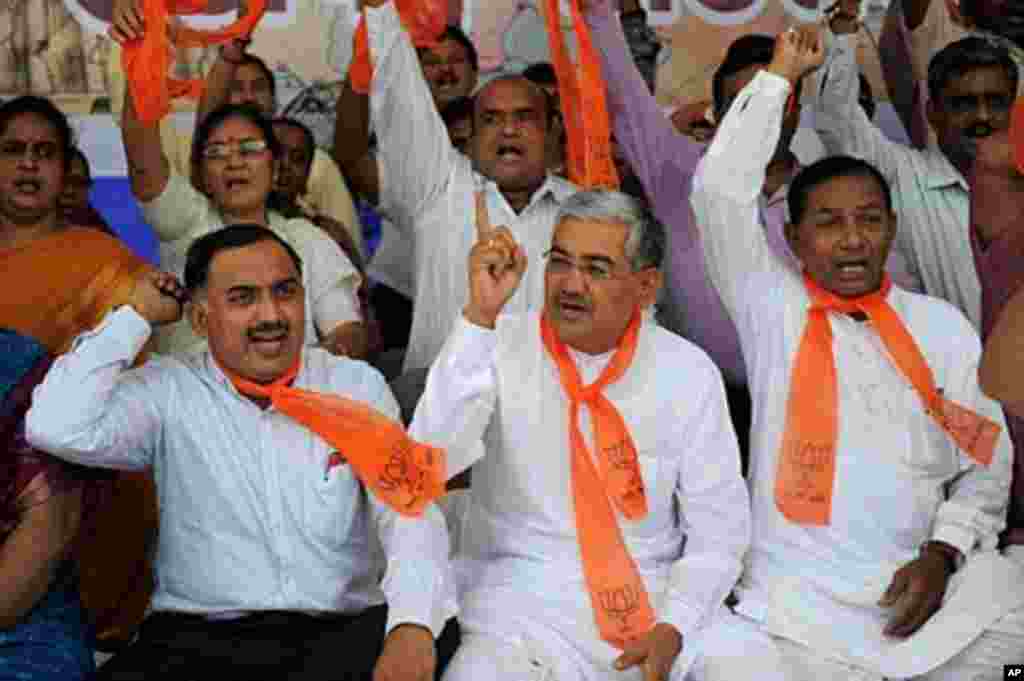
{"x":573,"y":566}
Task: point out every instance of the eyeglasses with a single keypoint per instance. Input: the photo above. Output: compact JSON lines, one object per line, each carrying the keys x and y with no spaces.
{"x":589,"y":268}
{"x":221,"y":151}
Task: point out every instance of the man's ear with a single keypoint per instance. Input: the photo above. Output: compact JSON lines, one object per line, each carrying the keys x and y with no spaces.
{"x":198,"y":315}
{"x":650,"y":281}
{"x":792,"y":234}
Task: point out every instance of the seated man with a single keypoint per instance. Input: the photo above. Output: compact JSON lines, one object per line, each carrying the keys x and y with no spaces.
{"x":266,"y":563}
{"x":573,"y":547}
{"x":880,"y":473}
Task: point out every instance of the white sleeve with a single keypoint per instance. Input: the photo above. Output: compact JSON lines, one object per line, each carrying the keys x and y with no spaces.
{"x":334,"y":281}
{"x":418,"y":577}
{"x":415,"y":157}
{"x":91,"y":411}
{"x":729,"y":179}
{"x":715,"y":509}
{"x":179,"y":211}
{"x":459,"y":399}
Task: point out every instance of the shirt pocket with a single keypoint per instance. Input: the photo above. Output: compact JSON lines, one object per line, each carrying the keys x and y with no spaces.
{"x":332,"y":500}
{"x":930,"y":452}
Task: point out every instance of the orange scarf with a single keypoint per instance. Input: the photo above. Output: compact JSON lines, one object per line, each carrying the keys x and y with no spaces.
{"x":806,"y":466}
{"x":622,"y":609}
{"x":584,"y":109}
{"x":146,"y":61}
{"x":404,"y":474}
{"x":424,"y":20}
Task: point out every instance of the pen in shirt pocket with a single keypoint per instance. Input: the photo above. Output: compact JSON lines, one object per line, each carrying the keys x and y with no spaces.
{"x":335,"y":459}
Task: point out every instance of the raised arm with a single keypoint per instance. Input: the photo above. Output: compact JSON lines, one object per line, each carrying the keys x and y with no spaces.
{"x":218,"y":80}
{"x":328,"y":194}
{"x":1002,"y":363}
{"x":906,"y":92}
{"x":415,"y":157}
{"x":731,"y":175}
{"x":842,"y":124}
{"x":88,"y":409}
{"x":662,"y":159}
{"x":352,"y":143}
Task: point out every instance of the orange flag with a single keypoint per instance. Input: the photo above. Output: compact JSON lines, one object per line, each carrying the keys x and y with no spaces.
{"x":806,"y":466}
{"x":584,"y":107}
{"x":147,"y":61}
{"x":404,"y":474}
{"x":424,"y":20}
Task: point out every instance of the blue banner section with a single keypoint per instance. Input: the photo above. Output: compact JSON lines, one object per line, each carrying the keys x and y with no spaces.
{"x":112,"y":198}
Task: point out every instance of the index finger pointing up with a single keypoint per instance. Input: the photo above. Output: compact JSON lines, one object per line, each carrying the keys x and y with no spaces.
{"x":484,"y":228}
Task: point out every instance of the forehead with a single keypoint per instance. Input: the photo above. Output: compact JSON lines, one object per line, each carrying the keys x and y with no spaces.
{"x":509,"y":95}
{"x":449,"y":48}
{"x":250,"y":72}
{"x":29,"y":126}
{"x":260,"y":265}
{"x":981,"y":79}
{"x":235,"y":128}
{"x":590,"y":238}
{"x":845,"y":192}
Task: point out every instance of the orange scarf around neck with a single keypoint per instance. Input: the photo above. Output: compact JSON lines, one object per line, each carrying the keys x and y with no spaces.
{"x":404,"y":474}
{"x":584,"y":109}
{"x":621,"y":606}
{"x":146,"y":61}
{"x":424,"y":20}
{"x":806,"y":466}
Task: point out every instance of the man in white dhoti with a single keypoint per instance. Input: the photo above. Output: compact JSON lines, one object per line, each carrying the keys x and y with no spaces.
{"x":879,"y":471}
{"x":573,"y":564}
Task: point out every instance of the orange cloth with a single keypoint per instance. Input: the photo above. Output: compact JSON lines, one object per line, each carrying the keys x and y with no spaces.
{"x":581,"y":90}
{"x":404,"y":474}
{"x":424,"y":20}
{"x":806,"y":466}
{"x":59,"y":286}
{"x":146,"y":61}
{"x":618,"y":596}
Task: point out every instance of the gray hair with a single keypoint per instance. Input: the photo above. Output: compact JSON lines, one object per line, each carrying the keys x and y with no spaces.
{"x":645,"y":245}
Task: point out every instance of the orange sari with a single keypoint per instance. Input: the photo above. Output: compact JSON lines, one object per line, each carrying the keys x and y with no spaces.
{"x":55,"y":288}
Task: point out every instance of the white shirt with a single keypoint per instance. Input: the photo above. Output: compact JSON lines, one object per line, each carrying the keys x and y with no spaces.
{"x":251,"y":518}
{"x":181,"y":214}
{"x":520,"y":539}
{"x":899,"y":479}
{"x":930,"y":196}
{"x":428,"y":189}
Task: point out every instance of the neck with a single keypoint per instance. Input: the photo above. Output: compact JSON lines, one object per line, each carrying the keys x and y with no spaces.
{"x":255,"y":216}
{"x":14,"y":234}
{"x":779,"y":170}
{"x":520,"y":199}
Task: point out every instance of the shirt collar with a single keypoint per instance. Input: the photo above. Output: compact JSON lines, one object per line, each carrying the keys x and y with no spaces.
{"x":209,"y":367}
{"x":555,"y":187}
{"x":940,"y":172}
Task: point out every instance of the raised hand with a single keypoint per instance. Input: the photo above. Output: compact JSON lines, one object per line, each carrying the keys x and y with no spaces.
{"x":844,"y":16}
{"x":798,"y":51}
{"x":158,"y":297}
{"x":496,"y":266}
{"x":655,"y":653}
{"x":127,"y":22}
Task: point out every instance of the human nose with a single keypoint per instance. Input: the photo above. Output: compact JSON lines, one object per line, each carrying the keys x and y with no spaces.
{"x":853,"y":234}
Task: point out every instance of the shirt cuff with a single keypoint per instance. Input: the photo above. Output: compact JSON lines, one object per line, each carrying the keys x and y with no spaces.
{"x":769,"y":83}
{"x":338,"y":306}
{"x":470,"y":344}
{"x":963,"y":539}
{"x":684,"y":617}
{"x":127,"y":330}
{"x":429,"y":608}
{"x":167,"y":203}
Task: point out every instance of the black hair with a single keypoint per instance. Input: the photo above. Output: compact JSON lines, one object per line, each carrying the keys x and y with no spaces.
{"x":453,"y":32}
{"x":252,"y":59}
{"x":1005,"y":23}
{"x":824,"y":170}
{"x":957,"y":58}
{"x":745,"y":51}
{"x":203,"y":250}
{"x":866,"y":99}
{"x":457,"y":110}
{"x":307,"y":135}
{"x":541,"y":73}
{"x":45,"y":109}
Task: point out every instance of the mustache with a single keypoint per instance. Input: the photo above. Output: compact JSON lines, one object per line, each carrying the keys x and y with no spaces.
{"x":574,"y":300}
{"x":266,"y":329}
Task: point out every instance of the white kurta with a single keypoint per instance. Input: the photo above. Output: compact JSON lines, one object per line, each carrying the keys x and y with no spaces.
{"x":522,"y":576}
{"x":900,"y":480}
{"x":427,"y":190}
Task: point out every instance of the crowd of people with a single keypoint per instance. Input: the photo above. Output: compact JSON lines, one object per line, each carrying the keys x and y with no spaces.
{"x":751,"y":415}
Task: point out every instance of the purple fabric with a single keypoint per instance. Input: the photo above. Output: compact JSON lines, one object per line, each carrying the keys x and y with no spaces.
{"x":1001,"y":271}
{"x":906,"y":93}
{"x":665,"y":160}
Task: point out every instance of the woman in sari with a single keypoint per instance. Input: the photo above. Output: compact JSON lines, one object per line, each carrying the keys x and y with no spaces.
{"x":58,"y":280}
